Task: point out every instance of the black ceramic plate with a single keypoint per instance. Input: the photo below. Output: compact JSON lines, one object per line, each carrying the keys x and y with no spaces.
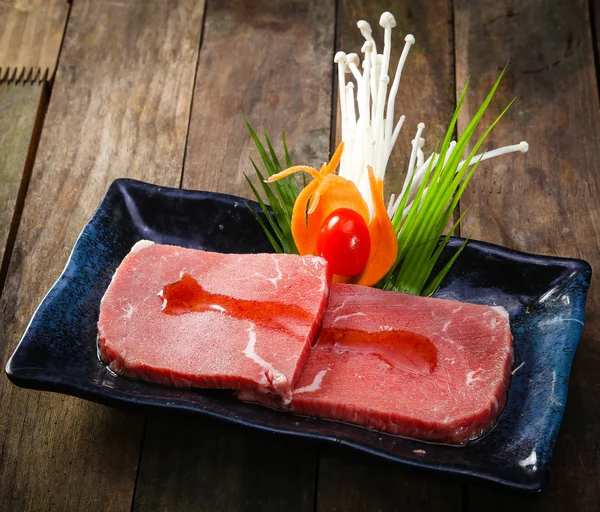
{"x":545,"y":298}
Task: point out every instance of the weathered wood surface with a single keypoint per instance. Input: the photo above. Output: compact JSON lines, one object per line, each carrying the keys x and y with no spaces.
{"x":348,"y":480}
{"x":119,"y":107}
{"x":278,"y":74}
{"x":30,"y":35}
{"x":546,"y":201}
{"x":595,"y":24}
{"x":21,"y":110}
{"x":276,"y":71}
{"x":198,"y":464}
{"x":31,"y":32}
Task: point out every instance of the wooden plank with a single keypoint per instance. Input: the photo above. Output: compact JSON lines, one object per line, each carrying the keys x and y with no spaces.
{"x":119,"y":107}
{"x":198,"y":464}
{"x":545,"y":201}
{"x":276,"y":71}
{"x":31,"y":32}
{"x":347,"y":480}
{"x":350,"y":481}
{"x":595,"y":23}
{"x":21,"y":113}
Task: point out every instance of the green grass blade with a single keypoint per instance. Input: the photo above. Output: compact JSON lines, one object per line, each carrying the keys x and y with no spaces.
{"x":278,"y":246}
{"x":288,"y":185}
{"x":288,"y":163}
{"x":274,"y":243}
{"x":437,"y":253}
{"x":279,"y":209}
{"x":437,"y":280}
{"x":272,"y":222}
{"x":419,"y":245}
{"x":281,"y":225}
{"x":281,"y":195}
{"x":278,"y":187}
{"x":288,"y":160}
{"x":274,"y":159}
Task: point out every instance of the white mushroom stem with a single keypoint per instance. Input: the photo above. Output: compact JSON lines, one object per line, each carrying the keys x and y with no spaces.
{"x":522,"y":147}
{"x":340,"y":60}
{"x":393,"y":143}
{"x":420,"y":154}
{"x":365,"y":30}
{"x":418,"y":178}
{"x":413,"y":157}
{"x":367,"y":49}
{"x":353,"y":61}
{"x":389,"y":121}
{"x":416,"y":181}
{"x":349,"y":135}
{"x":449,"y":151}
{"x":375,"y":80}
{"x":368,"y":130}
{"x":390,"y":206}
{"x":388,"y":22}
{"x":350,"y":110}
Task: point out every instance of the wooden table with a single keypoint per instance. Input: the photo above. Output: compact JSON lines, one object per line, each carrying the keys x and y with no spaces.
{"x":155,"y":90}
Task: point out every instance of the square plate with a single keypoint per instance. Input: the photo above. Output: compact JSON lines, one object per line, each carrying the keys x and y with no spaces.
{"x":544,"y":296}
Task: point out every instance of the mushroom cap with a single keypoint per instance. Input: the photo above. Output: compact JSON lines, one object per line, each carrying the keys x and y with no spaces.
{"x":352,"y":58}
{"x":387,"y":20}
{"x":367,"y":47}
{"x":364,"y":26}
{"x":340,"y":58}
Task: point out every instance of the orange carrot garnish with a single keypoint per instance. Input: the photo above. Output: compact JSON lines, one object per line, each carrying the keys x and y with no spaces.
{"x":329,"y":192}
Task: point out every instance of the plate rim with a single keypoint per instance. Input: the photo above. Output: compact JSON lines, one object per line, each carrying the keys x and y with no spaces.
{"x":27,"y":377}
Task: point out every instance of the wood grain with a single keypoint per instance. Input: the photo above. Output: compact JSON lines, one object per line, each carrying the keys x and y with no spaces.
{"x":595,"y":24}
{"x":31,"y":32}
{"x":545,"y":201}
{"x":119,"y":107}
{"x":351,"y":481}
{"x":347,"y":480}
{"x":21,"y":113}
{"x":198,"y":464}
{"x":277,"y":72}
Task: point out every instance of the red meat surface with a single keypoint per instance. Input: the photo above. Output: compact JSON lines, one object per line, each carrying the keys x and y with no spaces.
{"x":185,"y":317}
{"x":425,"y":368}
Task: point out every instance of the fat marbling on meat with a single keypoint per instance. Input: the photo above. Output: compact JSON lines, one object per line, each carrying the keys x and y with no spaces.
{"x":419,"y":367}
{"x":252,"y":328}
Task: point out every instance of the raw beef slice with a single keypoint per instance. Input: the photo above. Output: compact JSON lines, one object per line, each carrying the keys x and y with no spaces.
{"x":192,"y":318}
{"x":431,"y":369}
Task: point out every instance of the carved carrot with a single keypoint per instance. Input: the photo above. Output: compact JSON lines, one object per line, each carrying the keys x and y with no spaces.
{"x":329,"y":194}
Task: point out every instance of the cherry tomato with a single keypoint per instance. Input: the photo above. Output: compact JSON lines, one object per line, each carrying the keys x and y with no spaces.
{"x":344,"y":241}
